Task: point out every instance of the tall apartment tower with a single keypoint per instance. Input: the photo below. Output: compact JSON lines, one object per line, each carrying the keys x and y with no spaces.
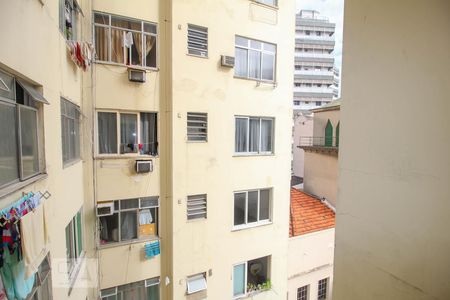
{"x":159,"y":138}
{"x":316,"y":79}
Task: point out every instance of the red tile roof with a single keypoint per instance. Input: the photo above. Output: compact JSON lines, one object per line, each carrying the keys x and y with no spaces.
{"x":308,"y":214}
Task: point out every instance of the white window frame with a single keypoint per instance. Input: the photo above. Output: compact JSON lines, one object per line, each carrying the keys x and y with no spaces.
{"x":245,"y":263}
{"x":261,"y":51}
{"x":138,"y":133}
{"x":319,"y":290}
{"x":115,"y":289}
{"x":258,"y":223}
{"x":39,"y":128}
{"x":143,"y":33}
{"x":74,"y":8}
{"x":137,"y":209}
{"x":259,"y":152}
{"x":306,"y":292}
{"x":76,"y":254}
{"x":201,"y":30}
{"x":274,"y":4}
{"x":64,"y":117}
{"x":193,"y":278}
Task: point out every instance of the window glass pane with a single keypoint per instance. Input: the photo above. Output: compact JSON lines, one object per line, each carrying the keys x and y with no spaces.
{"x":102,"y":43}
{"x":129,"y":203}
{"x":254,"y":64}
{"x":101,"y":19}
{"x":239,"y":208}
{"x":240,"y":66}
{"x":268,"y":67}
{"x":239,"y":280}
{"x":266,"y":135}
{"x":109,"y":229}
{"x":128,"y":133}
{"x":9,"y":166}
{"x":128,"y":226}
{"x":28,"y":132}
{"x":79,"y":234}
{"x":107,"y":132}
{"x":69,"y":246}
{"x":254,"y":135}
{"x":258,"y":271}
{"x":241,"y":135}
{"x":149,"y":134}
{"x":133,"y":291}
{"x":150,"y":51}
{"x":151,"y":28}
{"x":255,"y":44}
{"x":6,"y":86}
{"x":117,"y":46}
{"x":126,"y":23}
{"x":269,"y":47}
{"x":136,"y":48}
{"x":153,"y":292}
{"x":264,"y":205}
{"x":252,"y":212}
{"x":241,"y":41}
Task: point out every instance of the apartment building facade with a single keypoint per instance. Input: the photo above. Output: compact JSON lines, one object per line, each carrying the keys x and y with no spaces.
{"x":316,"y":79}
{"x":168,"y":162}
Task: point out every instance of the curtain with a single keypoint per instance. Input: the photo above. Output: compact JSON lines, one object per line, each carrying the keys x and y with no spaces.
{"x":101,"y":43}
{"x":117,"y":46}
{"x":241,"y":135}
{"x":128,"y":225}
{"x":254,"y":62}
{"x":254,"y":135}
{"x":128,"y":133}
{"x":240,"y":66}
{"x":149,"y":133}
{"x":136,"y":49}
{"x":266,"y":135}
{"x":107,"y":132}
{"x":150,"y":51}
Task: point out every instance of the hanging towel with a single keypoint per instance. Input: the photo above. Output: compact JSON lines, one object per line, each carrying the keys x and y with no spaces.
{"x":34,"y":248}
{"x":128,"y":39}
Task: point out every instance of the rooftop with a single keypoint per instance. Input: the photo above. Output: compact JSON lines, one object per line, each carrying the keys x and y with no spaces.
{"x":308,"y":214}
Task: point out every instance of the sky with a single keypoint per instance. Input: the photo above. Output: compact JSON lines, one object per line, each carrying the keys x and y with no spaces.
{"x":332,"y":9}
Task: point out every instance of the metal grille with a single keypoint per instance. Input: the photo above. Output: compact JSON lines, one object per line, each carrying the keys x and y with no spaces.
{"x":197,"y":126}
{"x":197,"y":40}
{"x":196,"y":207}
{"x":302,"y":293}
{"x":322,"y":293}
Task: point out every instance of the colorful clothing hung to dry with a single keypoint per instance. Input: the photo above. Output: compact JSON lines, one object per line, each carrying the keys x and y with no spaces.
{"x":81,"y":53}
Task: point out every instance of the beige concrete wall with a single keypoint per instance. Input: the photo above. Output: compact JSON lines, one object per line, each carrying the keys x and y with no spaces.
{"x":34,"y":49}
{"x":303,"y":127}
{"x":201,"y":85}
{"x":310,"y":259}
{"x":392,"y":238}
{"x":320,"y":122}
{"x":321,"y":175}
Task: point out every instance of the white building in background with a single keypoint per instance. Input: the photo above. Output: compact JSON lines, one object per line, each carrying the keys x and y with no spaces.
{"x":316,"y":79}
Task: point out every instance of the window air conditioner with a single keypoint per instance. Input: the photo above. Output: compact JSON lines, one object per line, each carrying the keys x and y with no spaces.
{"x":105,"y":209}
{"x":227,"y":61}
{"x":136,"y":75}
{"x":144,"y":166}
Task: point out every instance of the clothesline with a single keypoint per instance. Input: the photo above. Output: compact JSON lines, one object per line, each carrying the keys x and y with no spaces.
{"x":13,"y":213}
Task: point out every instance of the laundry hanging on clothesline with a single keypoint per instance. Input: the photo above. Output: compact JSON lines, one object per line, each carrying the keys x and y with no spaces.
{"x":81,"y":53}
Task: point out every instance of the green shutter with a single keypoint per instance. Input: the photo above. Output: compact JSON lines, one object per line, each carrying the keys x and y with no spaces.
{"x":329,"y":134}
{"x":79,"y":233}
{"x":337,"y":134}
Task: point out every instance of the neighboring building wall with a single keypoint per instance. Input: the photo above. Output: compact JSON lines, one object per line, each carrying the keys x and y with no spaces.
{"x":303,"y":127}
{"x":320,"y":122}
{"x":321,"y":175}
{"x":212,"y":167}
{"x":392,"y":238}
{"x":34,"y":49}
{"x":310,"y":259}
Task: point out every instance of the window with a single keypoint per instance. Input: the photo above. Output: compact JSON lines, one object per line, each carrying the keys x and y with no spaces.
{"x":146,"y":289}
{"x":20,"y":105}
{"x":254,"y":135}
{"x":68,"y":15}
{"x":252,"y":207}
{"x":74,"y":242}
{"x":197,"y":127}
{"x":302,"y":293}
{"x":296,"y":102}
{"x":254,"y":59}
{"x":251,"y":276}
{"x":42,"y":288}
{"x":120,"y":132}
{"x":70,"y":131}
{"x":268,"y":2}
{"x":196,"y":207}
{"x":318,"y":103}
{"x":125,"y":41}
{"x":128,"y":220}
{"x":197,"y":40}
{"x":196,"y":283}
{"x":322,"y":292}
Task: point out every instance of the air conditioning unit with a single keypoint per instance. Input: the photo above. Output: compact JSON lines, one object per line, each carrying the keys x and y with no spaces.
{"x":105,"y":209}
{"x":136,"y":75}
{"x":227,"y":61}
{"x":144,"y":166}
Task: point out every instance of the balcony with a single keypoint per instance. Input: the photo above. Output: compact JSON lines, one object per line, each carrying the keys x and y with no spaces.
{"x":327,"y":145}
